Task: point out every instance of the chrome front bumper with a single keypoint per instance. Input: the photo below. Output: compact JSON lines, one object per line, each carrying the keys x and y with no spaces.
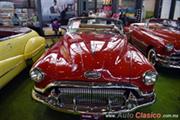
{"x":172,"y":61}
{"x":95,"y":99}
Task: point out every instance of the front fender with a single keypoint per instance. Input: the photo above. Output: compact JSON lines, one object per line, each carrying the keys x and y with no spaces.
{"x":34,"y":47}
{"x":140,"y":65}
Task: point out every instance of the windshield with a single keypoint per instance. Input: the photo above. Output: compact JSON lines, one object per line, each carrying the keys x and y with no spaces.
{"x":168,"y":23}
{"x":7,"y":33}
{"x":173,"y":24}
{"x":94,"y":24}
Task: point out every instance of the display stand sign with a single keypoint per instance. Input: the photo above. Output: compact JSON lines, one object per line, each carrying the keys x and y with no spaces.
{"x":55,"y":9}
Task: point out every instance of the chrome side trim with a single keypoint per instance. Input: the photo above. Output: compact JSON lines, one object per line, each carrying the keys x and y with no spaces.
{"x":12,"y":68}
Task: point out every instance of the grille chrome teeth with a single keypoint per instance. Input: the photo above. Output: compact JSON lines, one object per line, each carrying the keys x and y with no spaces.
{"x":81,"y":98}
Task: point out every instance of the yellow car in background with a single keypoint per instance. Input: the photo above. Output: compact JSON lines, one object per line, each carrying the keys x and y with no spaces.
{"x":19,"y":47}
{"x":49,"y":32}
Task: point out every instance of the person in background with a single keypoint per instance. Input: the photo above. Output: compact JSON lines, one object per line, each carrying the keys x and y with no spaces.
{"x":35,"y":25}
{"x":63,"y":13}
{"x":64,"y":20}
{"x":116,"y":16}
{"x":15,"y":20}
{"x":55,"y":26}
{"x":178,"y":22}
{"x":91,"y":14}
{"x":124,"y":19}
{"x":101,"y":13}
{"x":84,"y":14}
{"x":34,"y":20}
{"x":54,"y":8}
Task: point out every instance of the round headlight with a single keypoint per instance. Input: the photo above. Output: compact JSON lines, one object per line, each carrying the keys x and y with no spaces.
{"x":169,"y":47}
{"x":37,"y":75}
{"x":149,"y":78}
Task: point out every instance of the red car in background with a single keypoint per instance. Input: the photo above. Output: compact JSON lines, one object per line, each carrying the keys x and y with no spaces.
{"x":158,"y":39}
{"x":93,"y":69}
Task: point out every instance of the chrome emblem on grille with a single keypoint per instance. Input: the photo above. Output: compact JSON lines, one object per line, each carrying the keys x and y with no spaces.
{"x":92,"y":74}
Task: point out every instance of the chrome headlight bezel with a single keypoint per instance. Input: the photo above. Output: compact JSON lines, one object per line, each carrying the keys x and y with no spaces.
{"x":36,"y":75}
{"x":150,"y":77}
{"x":169,"y":47}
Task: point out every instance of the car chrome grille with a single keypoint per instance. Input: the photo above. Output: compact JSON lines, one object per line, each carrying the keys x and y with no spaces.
{"x":176,"y":55}
{"x":172,"y":61}
{"x":88,"y":99}
{"x":91,"y":96}
{"x":175,"y":59}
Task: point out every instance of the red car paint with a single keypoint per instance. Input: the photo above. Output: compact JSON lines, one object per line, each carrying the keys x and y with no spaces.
{"x":107,"y":53}
{"x":156,"y":36}
{"x":117,"y":60}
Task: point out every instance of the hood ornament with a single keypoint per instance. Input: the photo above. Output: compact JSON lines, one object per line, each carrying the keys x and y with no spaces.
{"x":92,"y":74}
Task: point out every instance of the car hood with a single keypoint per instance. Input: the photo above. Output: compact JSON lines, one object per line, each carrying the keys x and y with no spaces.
{"x":170,"y":35}
{"x":78,"y":54}
{"x":91,"y":50}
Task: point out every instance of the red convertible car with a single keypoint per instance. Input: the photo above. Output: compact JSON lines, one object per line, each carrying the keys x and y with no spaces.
{"x":93,"y":69}
{"x":159,"y":40}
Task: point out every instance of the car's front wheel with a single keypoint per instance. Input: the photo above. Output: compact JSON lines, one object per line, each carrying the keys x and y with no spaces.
{"x":152,"y":56}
